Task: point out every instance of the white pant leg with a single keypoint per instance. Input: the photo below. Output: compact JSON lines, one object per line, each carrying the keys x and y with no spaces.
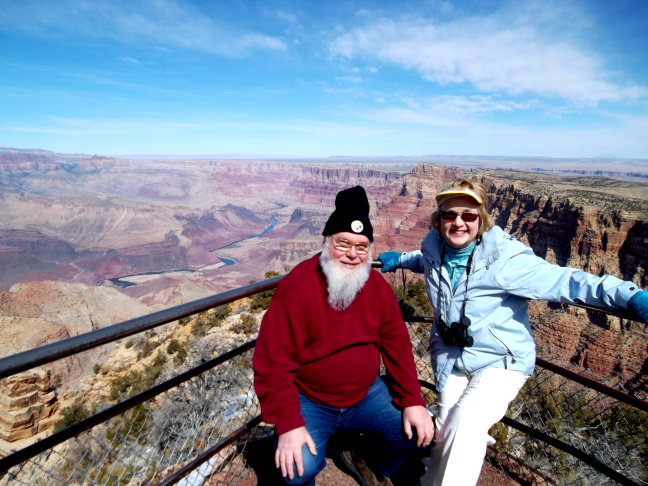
{"x":468,"y":408}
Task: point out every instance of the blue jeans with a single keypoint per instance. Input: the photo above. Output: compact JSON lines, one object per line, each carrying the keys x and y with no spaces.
{"x":375,"y":413}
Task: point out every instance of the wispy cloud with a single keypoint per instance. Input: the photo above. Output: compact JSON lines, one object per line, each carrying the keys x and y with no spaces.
{"x":518,"y":52}
{"x":76,"y":127}
{"x":129,"y":60}
{"x":162,"y":23}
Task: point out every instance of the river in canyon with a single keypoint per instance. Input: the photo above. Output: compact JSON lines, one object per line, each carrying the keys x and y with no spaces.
{"x":123,"y":283}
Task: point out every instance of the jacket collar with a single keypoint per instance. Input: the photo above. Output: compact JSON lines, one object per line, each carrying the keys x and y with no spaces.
{"x":487,"y":252}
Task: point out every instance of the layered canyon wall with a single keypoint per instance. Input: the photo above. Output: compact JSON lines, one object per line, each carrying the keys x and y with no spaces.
{"x":165,"y":232}
{"x":588,"y":223}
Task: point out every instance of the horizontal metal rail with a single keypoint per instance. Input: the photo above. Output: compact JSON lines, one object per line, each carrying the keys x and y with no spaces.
{"x":105,"y":415}
{"x":558,"y":444}
{"x":208,"y":454}
{"x":10,"y":365}
{"x":51,"y":352}
{"x":588,"y":382}
{"x":569,"y":449}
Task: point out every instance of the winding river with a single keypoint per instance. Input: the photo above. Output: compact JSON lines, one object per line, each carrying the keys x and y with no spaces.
{"x":119,"y":282}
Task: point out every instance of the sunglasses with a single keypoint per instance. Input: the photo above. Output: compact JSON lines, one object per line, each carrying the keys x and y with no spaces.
{"x":345,"y":246}
{"x":452,"y":215}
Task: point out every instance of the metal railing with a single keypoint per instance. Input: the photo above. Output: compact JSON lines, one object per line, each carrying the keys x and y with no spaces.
{"x":197,"y":419}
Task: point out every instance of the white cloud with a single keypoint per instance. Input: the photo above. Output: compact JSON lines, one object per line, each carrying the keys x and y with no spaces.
{"x":524,"y":51}
{"x":349,"y":79}
{"x":129,"y":60}
{"x":282,"y":15}
{"x":162,"y":23}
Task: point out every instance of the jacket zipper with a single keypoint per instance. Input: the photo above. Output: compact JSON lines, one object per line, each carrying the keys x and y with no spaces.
{"x":506,"y":348}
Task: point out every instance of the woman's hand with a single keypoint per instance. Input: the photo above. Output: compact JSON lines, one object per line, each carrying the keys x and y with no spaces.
{"x":638,"y":304}
{"x":390,"y":260}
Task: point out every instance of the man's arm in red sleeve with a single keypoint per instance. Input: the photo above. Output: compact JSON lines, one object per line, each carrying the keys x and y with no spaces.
{"x":275,"y":362}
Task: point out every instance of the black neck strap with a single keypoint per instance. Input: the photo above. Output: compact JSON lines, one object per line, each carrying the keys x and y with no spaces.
{"x":468,"y":268}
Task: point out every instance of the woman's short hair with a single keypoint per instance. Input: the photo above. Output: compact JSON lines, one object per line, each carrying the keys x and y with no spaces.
{"x":464,"y":187}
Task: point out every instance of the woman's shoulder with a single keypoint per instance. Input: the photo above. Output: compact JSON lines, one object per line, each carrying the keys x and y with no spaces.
{"x":497,"y":241}
{"x":432,"y":240}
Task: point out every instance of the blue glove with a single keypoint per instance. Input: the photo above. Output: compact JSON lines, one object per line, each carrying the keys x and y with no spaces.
{"x":638,"y":304}
{"x":390,"y":261}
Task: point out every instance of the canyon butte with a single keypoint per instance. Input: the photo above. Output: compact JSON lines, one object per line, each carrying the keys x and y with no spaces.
{"x":89,"y":241}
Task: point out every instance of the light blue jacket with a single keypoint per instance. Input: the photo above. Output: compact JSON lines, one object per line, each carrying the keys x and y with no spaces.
{"x":505,"y":275}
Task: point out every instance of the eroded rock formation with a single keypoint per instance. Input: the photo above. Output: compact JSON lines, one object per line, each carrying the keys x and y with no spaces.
{"x":27,"y":405}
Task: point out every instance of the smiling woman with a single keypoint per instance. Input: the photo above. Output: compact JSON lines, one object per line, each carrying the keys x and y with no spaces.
{"x":479,"y":280}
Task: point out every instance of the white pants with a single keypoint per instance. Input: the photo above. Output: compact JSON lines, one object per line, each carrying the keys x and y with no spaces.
{"x":468,"y":408}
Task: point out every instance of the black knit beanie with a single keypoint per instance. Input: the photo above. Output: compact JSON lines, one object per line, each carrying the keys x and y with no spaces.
{"x":351,"y":214}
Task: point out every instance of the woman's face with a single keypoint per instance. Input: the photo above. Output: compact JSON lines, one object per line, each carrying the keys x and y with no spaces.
{"x":457,"y":232}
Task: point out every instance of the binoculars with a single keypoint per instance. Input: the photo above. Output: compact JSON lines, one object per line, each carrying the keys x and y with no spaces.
{"x":456,"y":334}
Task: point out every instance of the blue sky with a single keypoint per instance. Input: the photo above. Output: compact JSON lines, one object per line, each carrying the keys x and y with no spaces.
{"x":318,"y":78}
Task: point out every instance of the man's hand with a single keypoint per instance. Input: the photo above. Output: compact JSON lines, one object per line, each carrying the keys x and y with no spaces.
{"x":289,"y":451}
{"x":419,"y":419}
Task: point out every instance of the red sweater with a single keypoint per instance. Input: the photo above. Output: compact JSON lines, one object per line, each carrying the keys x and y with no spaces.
{"x":332,"y":357}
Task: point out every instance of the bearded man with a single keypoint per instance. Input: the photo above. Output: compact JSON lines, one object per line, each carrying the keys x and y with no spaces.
{"x":317,"y":358}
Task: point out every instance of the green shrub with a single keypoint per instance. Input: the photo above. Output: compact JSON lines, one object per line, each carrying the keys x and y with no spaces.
{"x":129,"y":384}
{"x":174,"y":346}
{"x":248,"y":324}
{"x":96,"y":368}
{"x":261,"y":301}
{"x":146,"y":349}
{"x":133,"y":424}
{"x":71,"y":415}
{"x":159,"y":360}
{"x":179,"y":350}
{"x":207,"y":320}
{"x":415,"y":295}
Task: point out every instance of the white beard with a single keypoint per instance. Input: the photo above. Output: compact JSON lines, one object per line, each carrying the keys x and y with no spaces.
{"x":343,"y":283}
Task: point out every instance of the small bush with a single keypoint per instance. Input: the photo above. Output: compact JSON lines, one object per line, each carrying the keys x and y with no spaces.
{"x":71,"y":415}
{"x":146,"y":349}
{"x":209,"y":319}
{"x":128,"y":385}
{"x":248,"y":324}
{"x":174,"y":346}
{"x":96,"y":368}
{"x":159,"y":360}
{"x":179,"y":350}
{"x":261,"y":301}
